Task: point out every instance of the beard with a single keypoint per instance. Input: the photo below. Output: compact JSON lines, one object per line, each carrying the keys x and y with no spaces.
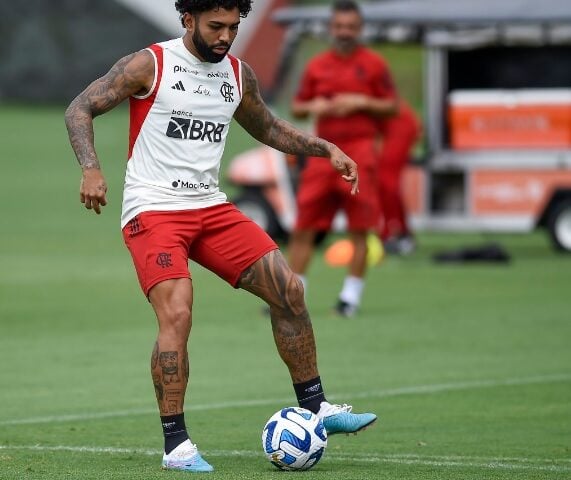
{"x":206,"y":51}
{"x":345,"y":44}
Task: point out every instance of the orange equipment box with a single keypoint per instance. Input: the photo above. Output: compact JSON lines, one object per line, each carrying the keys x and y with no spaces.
{"x":527,"y":118}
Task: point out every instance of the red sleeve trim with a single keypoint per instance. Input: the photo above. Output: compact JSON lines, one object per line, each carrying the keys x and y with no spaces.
{"x":140,"y":107}
{"x":237,"y":73}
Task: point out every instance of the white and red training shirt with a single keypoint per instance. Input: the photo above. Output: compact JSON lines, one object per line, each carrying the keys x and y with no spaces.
{"x":178,"y":131}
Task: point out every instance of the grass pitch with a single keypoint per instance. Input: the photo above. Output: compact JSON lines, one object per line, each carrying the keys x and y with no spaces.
{"x":468,"y":367}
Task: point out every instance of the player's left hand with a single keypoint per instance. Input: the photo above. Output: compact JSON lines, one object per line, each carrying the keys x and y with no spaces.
{"x":347,"y":167}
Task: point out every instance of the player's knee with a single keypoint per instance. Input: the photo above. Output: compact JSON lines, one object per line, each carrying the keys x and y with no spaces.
{"x":296,"y":289}
{"x":177,"y":320}
{"x":293,"y":295}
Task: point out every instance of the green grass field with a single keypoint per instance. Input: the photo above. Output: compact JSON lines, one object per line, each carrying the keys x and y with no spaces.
{"x":468,"y":367}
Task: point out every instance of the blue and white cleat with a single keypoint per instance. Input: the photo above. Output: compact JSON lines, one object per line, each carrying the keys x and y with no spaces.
{"x":339,"y":419}
{"x":186,"y":457}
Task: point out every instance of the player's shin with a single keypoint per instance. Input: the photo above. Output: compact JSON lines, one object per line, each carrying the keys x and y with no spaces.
{"x":170,"y":371}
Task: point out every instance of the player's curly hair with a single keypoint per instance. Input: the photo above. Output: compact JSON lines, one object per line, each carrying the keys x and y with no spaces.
{"x":346,"y":6}
{"x":198,"y":6}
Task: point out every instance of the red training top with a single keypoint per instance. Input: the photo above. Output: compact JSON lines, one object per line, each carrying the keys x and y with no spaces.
{"x":329,"y":74}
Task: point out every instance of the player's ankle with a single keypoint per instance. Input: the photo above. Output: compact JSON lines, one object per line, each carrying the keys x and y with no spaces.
{"x":310,"y":394}
{"x":174,"y":431}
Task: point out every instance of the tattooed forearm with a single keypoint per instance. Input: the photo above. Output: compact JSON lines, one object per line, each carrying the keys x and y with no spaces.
{"x":79,"y":123}
{"x":255,"y":117}
{"x":286,"y":138}
{"x":128,"y":76}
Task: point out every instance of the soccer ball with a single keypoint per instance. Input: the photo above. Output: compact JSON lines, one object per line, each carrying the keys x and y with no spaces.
{"x":294,"y":439}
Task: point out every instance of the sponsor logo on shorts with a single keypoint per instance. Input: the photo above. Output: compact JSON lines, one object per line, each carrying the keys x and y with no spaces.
{"x":187,"y":129}
{"x":164,"y":260}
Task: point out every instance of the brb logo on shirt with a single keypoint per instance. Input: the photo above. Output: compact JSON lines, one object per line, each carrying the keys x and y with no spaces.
{"x":194,"y":129}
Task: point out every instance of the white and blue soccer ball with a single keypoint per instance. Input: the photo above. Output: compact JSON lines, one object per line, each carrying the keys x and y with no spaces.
{"x":294,"y":439}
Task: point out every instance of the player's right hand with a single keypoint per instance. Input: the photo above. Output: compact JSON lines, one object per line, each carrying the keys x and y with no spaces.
{"x":93,"y":189}
{"x":347,"y":167}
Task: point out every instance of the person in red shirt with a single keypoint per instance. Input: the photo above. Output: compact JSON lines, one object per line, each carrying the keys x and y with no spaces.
{"x":346,"y":90}
{"x":399,"y":134}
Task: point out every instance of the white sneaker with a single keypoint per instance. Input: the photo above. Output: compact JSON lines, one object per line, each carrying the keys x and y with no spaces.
{"x":186,"y":457}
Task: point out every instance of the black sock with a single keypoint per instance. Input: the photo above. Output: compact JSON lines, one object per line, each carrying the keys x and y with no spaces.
{"x":310,"y":394}
{"x":174,"y":431}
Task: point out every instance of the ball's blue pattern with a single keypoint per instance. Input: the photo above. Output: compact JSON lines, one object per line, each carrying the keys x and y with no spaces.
{"x":286,"y":412}
{"x":320,"y":431}
{"x":302,"y":444}
{"x":270,"y":427}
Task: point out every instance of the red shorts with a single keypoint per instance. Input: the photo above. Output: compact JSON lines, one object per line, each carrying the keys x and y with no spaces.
{"x":322,"y":191}
{"x":220,"y":238}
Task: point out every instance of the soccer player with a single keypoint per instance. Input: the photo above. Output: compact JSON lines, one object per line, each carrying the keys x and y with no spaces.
{"x":183,"y":94}
{"x":399,"y":134}
{"x":347,"y":89}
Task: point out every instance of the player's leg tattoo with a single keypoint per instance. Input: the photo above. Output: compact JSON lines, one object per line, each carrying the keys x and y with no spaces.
{"x":157,"y":383}
{"x":271,"y":279}
{"x":170,"y":377}
{"x":172,"y":302}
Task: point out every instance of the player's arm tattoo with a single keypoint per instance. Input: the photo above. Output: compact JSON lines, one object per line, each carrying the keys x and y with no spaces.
{"x":130,"y":75}
{"x":257,"y":119}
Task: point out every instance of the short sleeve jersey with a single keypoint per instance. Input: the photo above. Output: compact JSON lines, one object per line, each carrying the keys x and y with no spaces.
{"x":178,"y":131}
{"x":329,"y":74}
